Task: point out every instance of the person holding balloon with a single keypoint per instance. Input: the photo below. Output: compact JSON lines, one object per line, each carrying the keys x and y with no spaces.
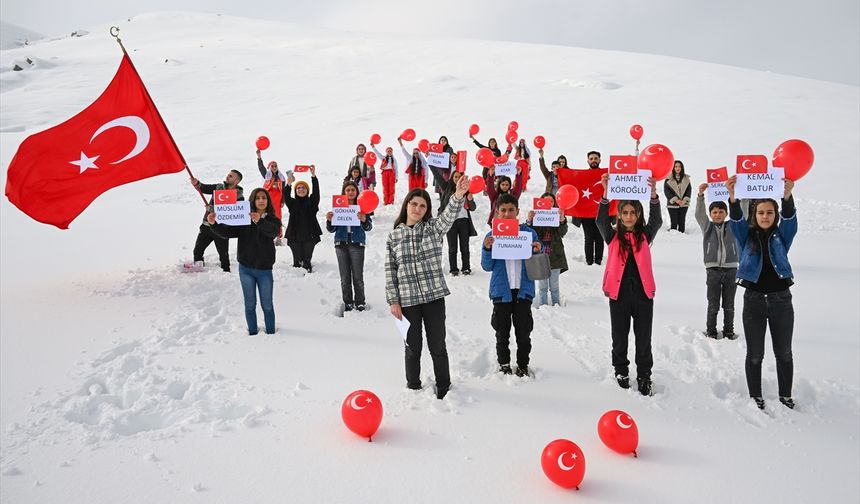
{"x":766,"y":274}
{"x":553,"y":246}
{"x":462,"y":229}
{"x":550,"y":175}
{"x":368,"y":173}
{"x":414,"y":283}
{"x":628,"y":281}
{"x":416,"y":167}
{"x":496,"y":186}
{"x":349,"y":243}
{"x":273,"y":182}
{"x":678,"y":190}
{"x":303,"y":230}
{"x":388,"y":168}
{"x":493,"y":145}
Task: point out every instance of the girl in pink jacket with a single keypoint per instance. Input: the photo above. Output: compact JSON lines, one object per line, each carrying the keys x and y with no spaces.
{"x":628,"y":282}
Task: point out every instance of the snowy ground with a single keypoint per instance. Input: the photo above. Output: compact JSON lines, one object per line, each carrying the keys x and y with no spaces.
{"x":124,"y":380}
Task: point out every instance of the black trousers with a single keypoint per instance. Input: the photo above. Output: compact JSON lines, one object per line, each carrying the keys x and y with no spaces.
{"x":721,"y":287}
{"x":459,"y":234}
{"x":678,"y":218}
{"x":303,"y":252}
{"x":517,"y":313}
{"x":632,"y":304}
{"x":432,"y":315}
{"x":204,"y":238}
{"x":777,"y":311}
{"x":593,"y":242}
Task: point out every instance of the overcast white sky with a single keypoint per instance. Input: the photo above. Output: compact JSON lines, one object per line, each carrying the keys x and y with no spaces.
{"x":817,"y":39}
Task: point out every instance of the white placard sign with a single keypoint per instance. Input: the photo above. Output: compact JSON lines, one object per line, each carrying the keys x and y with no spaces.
{"x":761,"y":185}
{"x":627,"y":186}
{"x":512,"y":247}
{"x":439,"y":160}
{"x":508,"y":169}
{"x":234,"y":214}
{"x":546,"y":218}
{"x":717,"y":192}
{"x":345,"y":216}
{"x":402,"y":326}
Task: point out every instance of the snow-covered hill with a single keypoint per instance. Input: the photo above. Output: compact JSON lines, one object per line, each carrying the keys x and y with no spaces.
{"x":122,"y":379}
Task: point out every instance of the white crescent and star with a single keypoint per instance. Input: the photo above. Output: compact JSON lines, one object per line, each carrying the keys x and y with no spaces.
{"x":340,"y":201}
{"x":353,"y":403}
{"x":134,"y":123}
{"x":622,"y":424}
{"x":619,"y":167}
{"x":502,"y":227}
{"x":562,"y":465}
{"x":222,"y":197}
{"x":714,"y":176}
{"x":744,"y":164}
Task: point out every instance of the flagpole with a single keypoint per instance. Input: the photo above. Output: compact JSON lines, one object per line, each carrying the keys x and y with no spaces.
{"x":114,"y":32}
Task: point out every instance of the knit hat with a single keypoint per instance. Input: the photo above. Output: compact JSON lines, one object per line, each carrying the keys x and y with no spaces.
{"x":302,"y":183}
{"x":718,"y":204}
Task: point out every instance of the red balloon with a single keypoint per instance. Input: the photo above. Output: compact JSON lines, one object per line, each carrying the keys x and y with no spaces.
{"x":513,"y":125}
{"x":563,"y":463}
{"x":375,"y":139}
{"x":476,"y":184}
{"x":362,"y":411}
{"x":511,"y":136}
{"x":618,"y":431}
{"x":502,"y":159}
{"x":485,"y":157}
{"x":408,"y":134}
{"x":474,"y":129}
{"x":636,"y":131}
{"x":370,"y":158}
{"x":424,"y":145}
{"x":262,"y":143}
{"x":540,"y":142}
{"x":657,"y":158}
{"x":367,"y":201}
{"x":567,"y":196}
{"x":795,"y":156}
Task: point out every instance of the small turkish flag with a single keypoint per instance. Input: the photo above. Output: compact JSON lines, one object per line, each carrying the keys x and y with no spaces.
{"x":751,"y":163}
{"x":301,"y":168}
{"x":339,"y":201}
{"x":622,"y":165}
{"x":461,"y":161}
{"x":542,"y":204}
{"x":718,"y":174}
{"x":590,"y":191}
{"x":224,"y":197}
{"x":118,"y":139}
{"x":506,"y":227}
{"x":436,"y":148}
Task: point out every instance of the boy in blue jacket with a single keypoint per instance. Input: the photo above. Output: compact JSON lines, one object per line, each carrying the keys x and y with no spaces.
{"x":512,"y":292}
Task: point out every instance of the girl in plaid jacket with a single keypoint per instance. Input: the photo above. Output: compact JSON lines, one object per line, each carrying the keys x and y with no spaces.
{"x":414,"y":283}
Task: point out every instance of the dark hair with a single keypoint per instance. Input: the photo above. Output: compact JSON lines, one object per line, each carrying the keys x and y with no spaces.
{"x":506,"y":199}
{"x":759,"y":232}
{"x":504,"y":178}
{"x":494,"y":141}
{"x":270,"y":209}
{"x":352,"y":169}
{"x":718,"y":204}
{"x":238,"y":174}
{"x":638,"y":227}
{"x":446,"y":139}
{"x":677,"y":177}
{"x":549,"y":195}
{"x":555,"y":163}
{"x":559,"y":158}
{"x":414,"y":193}
{"x":593,"y":152}
{"x":349,"y":183}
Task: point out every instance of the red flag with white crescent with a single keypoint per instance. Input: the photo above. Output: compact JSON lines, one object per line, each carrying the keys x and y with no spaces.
{"x":623,"y":165}
{"x":118,"y":139}
{"x":718,"y":174}
{"x":339,"y":201}
{"x":751,"y":163}
{"x":590,"y":191}
{"x":506,"y":227}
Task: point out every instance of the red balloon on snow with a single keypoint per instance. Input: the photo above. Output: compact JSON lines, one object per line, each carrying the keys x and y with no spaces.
{"x":795,"y":156}
{"x":375,"y":139}
{"x":476,"y":184}
{"x":474,"y":129}
{"x":262,"y":143}
{"x":370,"y":158}
{"x":511,"y":136}
{"x":362,"y":412}
{"x":424,"y":145}
{"x":636,"y":131}
{"x":367,"y":201}
{"x":408,"y":134}
{"x":513,"y":126}
{"x":618,"y":431}
{"x":485,"y":157}
{"x":563,"y":463}
{"x":657,"y":158}
{"x":540,"y":142}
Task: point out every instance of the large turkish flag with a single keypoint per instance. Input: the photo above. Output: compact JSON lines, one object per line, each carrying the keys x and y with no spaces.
{"x":119,"y":138}
{"x":590,"y":191}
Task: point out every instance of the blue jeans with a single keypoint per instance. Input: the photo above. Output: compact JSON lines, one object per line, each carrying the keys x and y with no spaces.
{"x":253,"y":279}
{"x":550,"y":284}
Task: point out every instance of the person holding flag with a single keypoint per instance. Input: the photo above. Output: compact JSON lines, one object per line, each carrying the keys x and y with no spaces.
{"x":462,"y":229}
{"x":553,"y":246}
{"x":206,"y":236}
{"x":273,"y":182}
{"x":303,"y":230}
{"x":349,"y":243}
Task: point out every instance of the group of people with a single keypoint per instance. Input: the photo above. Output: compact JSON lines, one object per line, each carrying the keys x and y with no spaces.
{"x":749,"y":249}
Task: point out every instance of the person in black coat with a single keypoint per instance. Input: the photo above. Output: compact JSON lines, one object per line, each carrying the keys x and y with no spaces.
{"x":256,"y":255}
{"x":462,"y":229}
{"x":303,"y":230}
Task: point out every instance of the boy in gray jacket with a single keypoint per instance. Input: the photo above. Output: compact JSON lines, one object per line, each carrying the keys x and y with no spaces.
{"x":721,"y":264}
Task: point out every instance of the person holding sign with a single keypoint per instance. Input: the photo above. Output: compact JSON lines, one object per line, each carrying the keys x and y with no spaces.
{"x":388,"y":167}
{"x":368,"y":173}
{"x":493,"y":145}
{"x":553,"y":245}
{"x":414,"y":284}
{"x":721,"y":264}
{"x":628,"y":282}
{"x":256,"y":255}
{"x":206,"y":236}
{"x":677,"y":189}
{"x":416,"y":167}
{"x":511,"y":290}
{"x":496,"y":186}
{"x":462,"y":229}
{"x":349,"y":244}
{"x":765,"y":273}
{"x":273,"y":182}
{"x":303,"y":230}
